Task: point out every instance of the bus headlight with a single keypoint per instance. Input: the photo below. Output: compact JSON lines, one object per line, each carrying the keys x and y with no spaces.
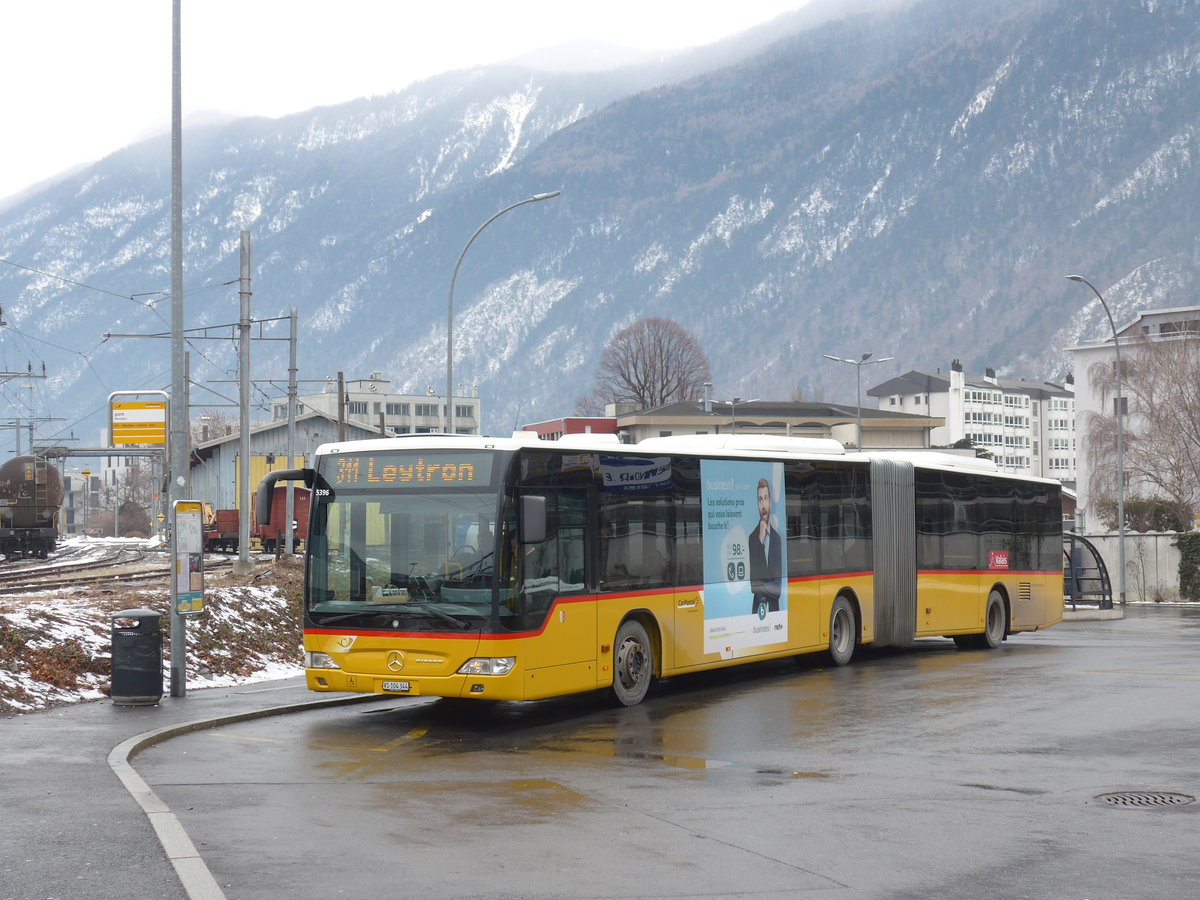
{"x":316,"y":660}
{"x":497,"y":665}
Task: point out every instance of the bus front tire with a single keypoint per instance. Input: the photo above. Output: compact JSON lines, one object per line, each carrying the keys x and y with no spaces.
{"x":633,"y":663}
{"x":842,"y":632}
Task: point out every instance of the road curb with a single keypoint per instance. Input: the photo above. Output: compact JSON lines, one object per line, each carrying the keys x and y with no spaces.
{"x":193,"y":874}
{"x":1093,"y":615}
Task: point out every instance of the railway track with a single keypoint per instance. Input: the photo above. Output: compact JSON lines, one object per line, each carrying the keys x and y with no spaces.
{"x":119,"y":566}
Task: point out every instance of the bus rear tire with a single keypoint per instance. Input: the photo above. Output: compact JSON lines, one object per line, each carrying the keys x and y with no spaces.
{"x":994,"y":622}
{"x":993,"y":627}
{"x":633,"y":663}
{"x":842,"y":632}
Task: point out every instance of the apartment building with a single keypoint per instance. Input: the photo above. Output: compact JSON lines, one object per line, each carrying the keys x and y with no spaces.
{"x":1173,"y":324}
{"x":1027,"y":426}
{"x":370,"y":402}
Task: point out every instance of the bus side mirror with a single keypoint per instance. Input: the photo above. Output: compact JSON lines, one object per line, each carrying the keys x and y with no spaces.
{"x":533,"y":519}
{"x":266,"y":490}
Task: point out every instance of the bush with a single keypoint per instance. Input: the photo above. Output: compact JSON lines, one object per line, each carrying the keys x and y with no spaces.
{"x":1143,"y":515}
{"x":1189,"y":565}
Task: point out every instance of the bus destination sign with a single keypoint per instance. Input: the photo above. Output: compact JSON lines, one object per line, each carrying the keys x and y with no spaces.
{"x":409,"y":469}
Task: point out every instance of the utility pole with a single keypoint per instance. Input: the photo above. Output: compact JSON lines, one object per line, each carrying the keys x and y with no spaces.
{"x":178,"y":439}
{"x":341,"y":406}
{"x":242,"y":566}
{"x":289,"y":544}
{"x":29,"y":420}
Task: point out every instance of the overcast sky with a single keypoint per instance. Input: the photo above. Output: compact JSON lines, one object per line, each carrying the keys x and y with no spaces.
{"x":83,"y":78}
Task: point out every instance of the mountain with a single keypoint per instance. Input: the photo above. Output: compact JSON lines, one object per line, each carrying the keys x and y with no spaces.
{"x":911,"y":180}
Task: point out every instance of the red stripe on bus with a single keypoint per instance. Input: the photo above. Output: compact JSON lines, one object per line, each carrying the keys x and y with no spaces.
{"x":996,"y":572}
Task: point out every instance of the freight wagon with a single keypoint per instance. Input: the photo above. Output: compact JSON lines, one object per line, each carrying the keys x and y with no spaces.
{"x":222,"y":529}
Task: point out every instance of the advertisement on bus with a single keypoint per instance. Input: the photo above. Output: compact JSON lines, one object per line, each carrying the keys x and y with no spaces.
{"x":745,"y":556}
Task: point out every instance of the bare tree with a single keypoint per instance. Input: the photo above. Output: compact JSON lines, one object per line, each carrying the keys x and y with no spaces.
{"x":652,"y":362}
{"x":212,"y":423}
{"x":1161,"y":384}
{"x":801,"y":394}
{"x":589,"y":405}
{"x":131,"y":493}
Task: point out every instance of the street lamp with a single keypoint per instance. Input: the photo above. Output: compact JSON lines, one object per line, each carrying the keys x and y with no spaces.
{"x":1120,"y":414}
{"x":536,"y":198}
{"x":863,"y":360}
{"x":733,"y":410}
{"x":87,"y":488}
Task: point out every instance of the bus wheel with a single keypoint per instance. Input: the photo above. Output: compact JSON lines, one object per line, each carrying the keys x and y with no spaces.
{"x":633,"y":663}
{"x":841,"y":632}
{"x":993,"y":622}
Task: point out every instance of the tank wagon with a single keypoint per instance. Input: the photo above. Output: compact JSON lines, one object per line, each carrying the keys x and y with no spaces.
{"x":31,"y":493}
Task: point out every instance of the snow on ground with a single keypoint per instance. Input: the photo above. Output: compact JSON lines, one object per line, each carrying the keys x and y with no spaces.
{"x":55,"y":645}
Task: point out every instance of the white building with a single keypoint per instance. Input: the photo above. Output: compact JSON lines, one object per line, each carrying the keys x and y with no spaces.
{"x":1027,"y":426}
{"x":369,"y":402}
{"x":1157,"y":325}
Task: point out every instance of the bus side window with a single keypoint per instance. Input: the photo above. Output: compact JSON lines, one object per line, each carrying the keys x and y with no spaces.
{"x":570,"y":522}
{"x":856,"y":518}
{"x":636,"y":548}
{"x":930,"y":519}
{"x":961,"y":542}
{"x":689,"y":548}
{"x":802,"y":531}
{"x":556,"y":565}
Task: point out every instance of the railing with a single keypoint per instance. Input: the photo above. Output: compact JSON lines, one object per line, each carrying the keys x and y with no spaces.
{"x":1085,"y":577}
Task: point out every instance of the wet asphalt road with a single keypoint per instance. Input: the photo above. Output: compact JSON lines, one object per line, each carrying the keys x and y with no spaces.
{"x":921,"y":772}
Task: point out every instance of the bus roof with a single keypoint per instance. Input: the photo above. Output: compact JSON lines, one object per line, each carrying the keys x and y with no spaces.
{"x":687,"y":444}
{"x":751,"y":443}
{"x":693,"y":444}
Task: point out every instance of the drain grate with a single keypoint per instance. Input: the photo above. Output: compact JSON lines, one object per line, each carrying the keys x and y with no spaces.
{"x":1145,"y":799}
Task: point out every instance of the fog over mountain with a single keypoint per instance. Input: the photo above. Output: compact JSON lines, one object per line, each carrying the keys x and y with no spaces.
{"x":912,"y":180}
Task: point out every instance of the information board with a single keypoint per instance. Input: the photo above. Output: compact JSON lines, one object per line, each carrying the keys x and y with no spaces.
{"x":188,"y":581}
{"x":138,"y":422}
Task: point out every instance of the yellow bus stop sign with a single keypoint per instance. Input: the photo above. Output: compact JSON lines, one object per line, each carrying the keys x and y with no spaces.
{"x":138,"y":422}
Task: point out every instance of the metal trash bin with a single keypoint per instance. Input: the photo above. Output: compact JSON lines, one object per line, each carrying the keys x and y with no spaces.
{"x":137,"y":651}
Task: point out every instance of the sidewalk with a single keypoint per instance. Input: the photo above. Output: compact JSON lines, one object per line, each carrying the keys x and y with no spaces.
{"x":1092,"y":614}
{"x":71,"y":828}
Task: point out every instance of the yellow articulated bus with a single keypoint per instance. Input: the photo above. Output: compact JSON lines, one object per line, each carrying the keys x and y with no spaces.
{"x":518,"y":569}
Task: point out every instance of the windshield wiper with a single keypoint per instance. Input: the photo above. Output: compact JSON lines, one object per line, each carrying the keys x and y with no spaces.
{"x":436,"y":613}
{"x":341,"y":617}
{"x":417,"y":607}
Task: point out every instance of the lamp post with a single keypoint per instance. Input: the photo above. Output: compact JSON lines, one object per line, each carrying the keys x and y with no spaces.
{"x":863,"y":360}
{"x":536,"y":198}
{"x":87,"y":488}
{"x":1120,"y":414}
{"x":733,"y":410}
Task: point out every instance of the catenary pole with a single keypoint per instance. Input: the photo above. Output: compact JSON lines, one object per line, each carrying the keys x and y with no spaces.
{"x":242,"y":565}
{"x":289,"y":540}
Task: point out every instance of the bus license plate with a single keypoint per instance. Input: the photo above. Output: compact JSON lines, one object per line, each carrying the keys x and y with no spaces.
{"x":399,"y":687}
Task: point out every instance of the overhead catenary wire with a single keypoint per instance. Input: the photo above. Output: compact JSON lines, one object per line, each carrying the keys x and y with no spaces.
{"x":136,"y":298}
{"x":133,"y":298}
{"x":66,"y":280}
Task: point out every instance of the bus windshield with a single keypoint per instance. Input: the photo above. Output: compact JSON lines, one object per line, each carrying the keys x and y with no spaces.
{"x":405,"y":549}
{"x":374,"y":552}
